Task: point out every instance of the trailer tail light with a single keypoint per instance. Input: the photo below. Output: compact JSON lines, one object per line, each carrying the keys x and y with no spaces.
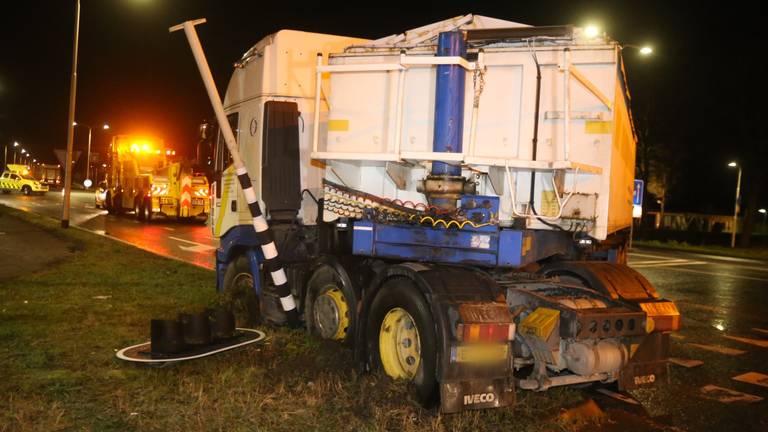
{"x":664,"y":314}
{"x":485,"y":322}
{"x":497,"y":332}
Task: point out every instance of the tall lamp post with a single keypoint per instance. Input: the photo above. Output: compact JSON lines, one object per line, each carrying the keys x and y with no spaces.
{"x":88,"y":154}
{"x":71,"y":123}
{"x":5,"y":158}
{"x":736,"y":203}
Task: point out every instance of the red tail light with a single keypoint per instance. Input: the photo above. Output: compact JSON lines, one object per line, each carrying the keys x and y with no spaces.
{"x":486,"y":332}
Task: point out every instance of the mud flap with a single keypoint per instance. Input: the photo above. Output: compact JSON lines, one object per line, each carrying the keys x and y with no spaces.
{"x":648,"y":364}
{"x":456,"y":396}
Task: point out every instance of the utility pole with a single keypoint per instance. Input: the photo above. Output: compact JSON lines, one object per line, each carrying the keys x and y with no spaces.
{"x":71,"y":123}
{"x":736,"y":204}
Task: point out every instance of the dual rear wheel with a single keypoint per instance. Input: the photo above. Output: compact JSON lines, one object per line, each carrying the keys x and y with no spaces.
{"x":399,"y":332}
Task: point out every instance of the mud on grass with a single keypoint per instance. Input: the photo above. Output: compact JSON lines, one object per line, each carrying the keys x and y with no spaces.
{"x":60,"y":328}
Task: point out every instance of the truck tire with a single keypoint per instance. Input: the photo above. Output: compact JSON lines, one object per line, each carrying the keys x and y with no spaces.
{"x":117,"y":203}
{"x":138,"y":209}
{"x":330,"y":305}
{"x":401,"y":337}
{"x":108,"y":203}
{"x":26,"y":190}
{"x":146,"y":209}
{"x":239,"y":294}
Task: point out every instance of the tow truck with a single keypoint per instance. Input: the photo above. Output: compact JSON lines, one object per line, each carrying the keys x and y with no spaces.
{"x":19,"y":178}
{"x":453,"y":203}
{"x":142,"y":177}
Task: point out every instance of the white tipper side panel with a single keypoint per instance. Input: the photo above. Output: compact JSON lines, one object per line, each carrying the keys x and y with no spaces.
{"x":279,"y":67}
{"x":363,"y":103}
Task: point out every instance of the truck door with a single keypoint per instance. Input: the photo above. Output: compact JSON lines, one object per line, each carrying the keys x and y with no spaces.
{"x":280,"y":172}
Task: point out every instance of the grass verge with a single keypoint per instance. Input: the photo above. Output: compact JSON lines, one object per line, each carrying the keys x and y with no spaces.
{"x":60,"y":328}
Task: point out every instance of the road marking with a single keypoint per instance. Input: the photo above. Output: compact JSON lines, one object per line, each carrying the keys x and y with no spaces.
{"x":677,"y":336}
{"x":753,"y":378}
{"x":718,"y":349}
{"x":760,"y":330}
{"x":757,"y":342}
{"x":655,"y":261}
{"x":169,"y":229}
{"x":196,"y":247}
{"x":703,"y":307}
{"x":725,"y":395}
{"x":670,"y":263}
{"x":689,"y":363}
{"x":651,"y":256}
{"x":717,"y":274}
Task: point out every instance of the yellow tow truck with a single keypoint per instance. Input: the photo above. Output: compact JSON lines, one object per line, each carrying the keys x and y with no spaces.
{"x":19,"y":178}
{"x":142,"y":178}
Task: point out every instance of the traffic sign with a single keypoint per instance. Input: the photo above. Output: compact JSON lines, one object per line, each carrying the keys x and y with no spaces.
{"x":637,"y":195}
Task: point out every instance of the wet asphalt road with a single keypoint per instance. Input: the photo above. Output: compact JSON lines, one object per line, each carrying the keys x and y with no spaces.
{"x":186,"y":241}
{"x":720,"y":298}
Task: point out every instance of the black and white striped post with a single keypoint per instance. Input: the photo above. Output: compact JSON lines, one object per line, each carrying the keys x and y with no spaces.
{"x":272,"y":262}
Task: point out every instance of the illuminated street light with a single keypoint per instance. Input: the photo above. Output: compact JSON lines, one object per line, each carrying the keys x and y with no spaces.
{"x":733,"y":164}
{"x":105,"y":126}
{"x":762,"y":211}
{"x":591,"y":31}
{"x":15,"y":143}
{"x":23,"y":151}
{"x":646,"y":50}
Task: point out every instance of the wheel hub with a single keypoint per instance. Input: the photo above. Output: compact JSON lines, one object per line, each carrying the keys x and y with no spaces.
{"x":399,"y":345}
{"x":330,"y":314}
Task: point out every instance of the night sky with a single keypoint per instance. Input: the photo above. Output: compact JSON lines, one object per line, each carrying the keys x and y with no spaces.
{"x":701,"y":98}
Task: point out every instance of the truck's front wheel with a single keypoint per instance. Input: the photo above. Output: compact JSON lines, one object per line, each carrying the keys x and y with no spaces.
{"x":26,"y":190}
{"x":239,"y":293}
{"x":401,"y":337}
{"x":138,"y":209}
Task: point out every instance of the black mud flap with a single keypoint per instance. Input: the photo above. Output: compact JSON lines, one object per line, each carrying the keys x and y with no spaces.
{"x":458,"y":396}
{"x":648,"y":365}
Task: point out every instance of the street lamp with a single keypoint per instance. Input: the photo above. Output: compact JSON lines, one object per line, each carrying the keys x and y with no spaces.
{"x":764,"y":212}
{"x":591,"y":31}
{"x":88,"y":154}
{"x":733,"y":164}
{"x":644,"y":50}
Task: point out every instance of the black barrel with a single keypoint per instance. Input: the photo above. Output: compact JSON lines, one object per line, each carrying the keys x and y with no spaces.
{"x":222,"y":323}
{"x":196,"y":328}
{"x":167,"y":336}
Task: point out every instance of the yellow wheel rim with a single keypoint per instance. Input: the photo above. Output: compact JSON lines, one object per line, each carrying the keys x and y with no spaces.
{"x":330,"y":314}
{"x":399,"y":345}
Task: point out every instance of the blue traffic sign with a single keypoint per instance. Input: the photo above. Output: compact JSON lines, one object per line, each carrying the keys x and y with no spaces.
{"x":637,"y":195}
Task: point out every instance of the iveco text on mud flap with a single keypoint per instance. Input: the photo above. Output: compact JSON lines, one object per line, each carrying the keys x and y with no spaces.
{"x":452,"y":202}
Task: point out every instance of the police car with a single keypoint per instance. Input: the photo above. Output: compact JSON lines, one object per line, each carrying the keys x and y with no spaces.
{"x":18,"y":178}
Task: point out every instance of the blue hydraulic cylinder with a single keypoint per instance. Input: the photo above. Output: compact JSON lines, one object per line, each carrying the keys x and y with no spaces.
{"x":449,"y":102}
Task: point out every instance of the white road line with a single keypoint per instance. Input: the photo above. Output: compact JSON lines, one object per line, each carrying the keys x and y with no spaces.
{"x":169,"y":229}
{"x":759,"y":330}
{"x":718,"y":349}
{"x":726,"y":395}
{"x":669,"y":264}
{"x":757,"y":342}
{"x":716,"y":274}
{"x":753,"y":378}
{"x":196,"y":247}
{"x":656,"y":261}
{"x":651,"y":256}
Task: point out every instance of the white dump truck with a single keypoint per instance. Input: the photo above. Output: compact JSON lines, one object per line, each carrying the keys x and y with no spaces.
{"x":453,"y":202}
